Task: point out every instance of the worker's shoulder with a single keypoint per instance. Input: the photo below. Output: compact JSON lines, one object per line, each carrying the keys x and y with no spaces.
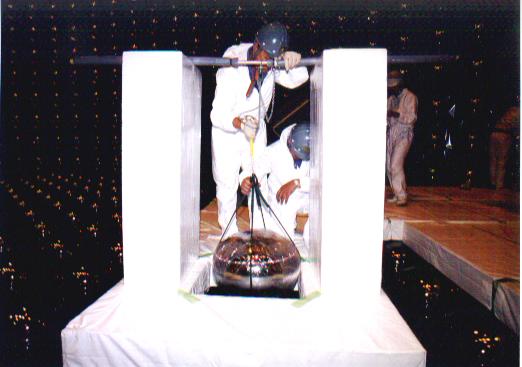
{"x":408,"y":93}
{"x":276,"y":148}
{"x":237,"y":51}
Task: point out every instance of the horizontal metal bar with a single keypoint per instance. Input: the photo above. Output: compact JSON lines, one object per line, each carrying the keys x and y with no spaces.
{"x":97,"y":60}
{"x":223,"y":62}
{"x":421,"y":59}
{"x":197,"y":60}
{"x":212,"y":61}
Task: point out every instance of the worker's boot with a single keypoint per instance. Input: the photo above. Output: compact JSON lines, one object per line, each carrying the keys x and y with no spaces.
{"x":402,"y":202}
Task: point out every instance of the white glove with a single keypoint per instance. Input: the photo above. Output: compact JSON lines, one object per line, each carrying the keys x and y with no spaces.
{"x":249,"y":126}
{"x":291,"y":59}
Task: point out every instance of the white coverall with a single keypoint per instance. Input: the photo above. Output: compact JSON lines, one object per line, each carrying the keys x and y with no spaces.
{"x":279,"y":164}
{"x":230,"y":147}
{"x":500,"y":145}
{"x":399,"y":138}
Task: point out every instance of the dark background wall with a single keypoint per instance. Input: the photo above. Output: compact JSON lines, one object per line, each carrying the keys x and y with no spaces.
{"x":60,"y":127}
{"x":63,"y":118}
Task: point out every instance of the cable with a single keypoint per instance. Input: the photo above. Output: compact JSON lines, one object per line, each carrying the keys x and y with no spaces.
{"x":232,"y":217}
{"x":251,"y":240}
{"x":271,"y":210}
{"x":262,"y":103}
{"x":253,"y":179}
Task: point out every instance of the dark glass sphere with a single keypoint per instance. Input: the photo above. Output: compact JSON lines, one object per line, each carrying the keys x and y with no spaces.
{"x":261,"y":260}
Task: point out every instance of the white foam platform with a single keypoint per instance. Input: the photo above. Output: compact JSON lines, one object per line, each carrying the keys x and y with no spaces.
{"x":225,"y":331}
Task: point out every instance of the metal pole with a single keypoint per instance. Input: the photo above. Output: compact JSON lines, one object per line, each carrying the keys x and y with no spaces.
{"x":97,"y":60}
{"x":421,"y":59}
{"x":277,"y":63}
{"x":197,"y":60}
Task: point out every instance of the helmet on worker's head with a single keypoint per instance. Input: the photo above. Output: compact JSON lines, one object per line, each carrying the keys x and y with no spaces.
{"x":299,"y":140}
{"x":273,"y":38}
{"x":394,"y":79}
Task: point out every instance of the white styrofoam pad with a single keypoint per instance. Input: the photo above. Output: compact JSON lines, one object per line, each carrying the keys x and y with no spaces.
{"x":238,"y":331}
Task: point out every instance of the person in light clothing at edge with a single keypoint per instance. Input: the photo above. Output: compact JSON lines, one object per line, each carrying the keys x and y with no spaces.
{"x":238,"y":112}
{"x":402,"y":115}
{"x":500,"y":144}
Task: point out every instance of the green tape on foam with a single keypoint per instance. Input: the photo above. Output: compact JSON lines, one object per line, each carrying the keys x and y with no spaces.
{"x":309,"y":260}
{"x":188,"y":296}
{"x":304,"y":301}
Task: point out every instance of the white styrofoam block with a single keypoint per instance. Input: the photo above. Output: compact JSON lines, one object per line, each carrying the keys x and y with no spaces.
{"x":190,"y":164}
{"x":352,"y":145}
{"x":160,"y":169}
{"x":313,"y":270}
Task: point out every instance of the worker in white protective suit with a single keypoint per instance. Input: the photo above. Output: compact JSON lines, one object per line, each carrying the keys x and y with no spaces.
{"x":287,"y":164}
{"x":241,"y":103}
{"x":402,"y":115}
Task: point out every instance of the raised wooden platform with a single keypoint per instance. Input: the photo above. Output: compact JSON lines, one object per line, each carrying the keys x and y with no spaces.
{"x":471,"y":236}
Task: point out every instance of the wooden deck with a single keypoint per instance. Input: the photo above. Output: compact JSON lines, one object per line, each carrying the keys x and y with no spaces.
{"x":471,"y":236}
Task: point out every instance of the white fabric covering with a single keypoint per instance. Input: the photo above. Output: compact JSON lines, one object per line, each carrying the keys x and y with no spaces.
{"x":238,"y":331}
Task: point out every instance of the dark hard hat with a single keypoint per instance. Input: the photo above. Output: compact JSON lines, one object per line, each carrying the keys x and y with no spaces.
{"x":299,"y":140}
{"x":273,"y":38}
{"x":395,"y":79}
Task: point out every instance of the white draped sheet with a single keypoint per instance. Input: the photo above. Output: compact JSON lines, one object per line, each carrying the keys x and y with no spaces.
{"x":237,"y":331}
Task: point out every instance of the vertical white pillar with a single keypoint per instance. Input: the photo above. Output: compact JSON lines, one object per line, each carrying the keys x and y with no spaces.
{"x":349,"y":129}
{"x":161,"y":122}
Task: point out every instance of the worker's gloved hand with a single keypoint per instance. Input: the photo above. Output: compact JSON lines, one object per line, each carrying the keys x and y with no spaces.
{"x":246,"y":186}
{"x":249,"y":126}
{"x":284,"y":192}
{"x":291,"y":59}
{"x":236,"y":122}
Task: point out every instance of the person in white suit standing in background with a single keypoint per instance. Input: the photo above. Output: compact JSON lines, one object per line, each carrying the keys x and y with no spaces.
{"x":402,"y":115}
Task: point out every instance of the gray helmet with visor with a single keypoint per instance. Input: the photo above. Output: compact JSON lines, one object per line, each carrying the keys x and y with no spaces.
{"x":299,"y":140}
{"x":273,"y":38}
